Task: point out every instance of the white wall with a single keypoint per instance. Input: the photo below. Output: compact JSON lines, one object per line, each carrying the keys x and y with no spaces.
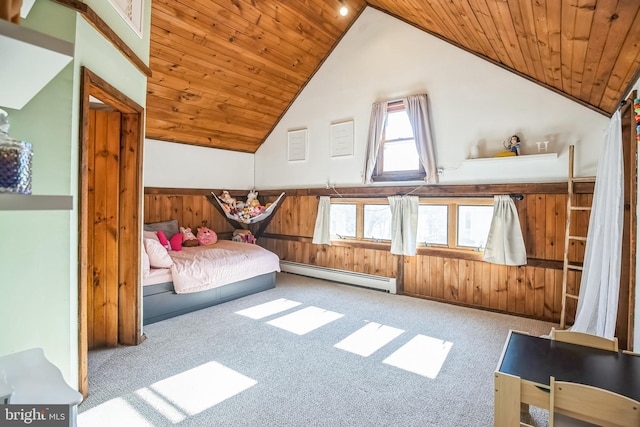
{"x":472,"y":101}
{"x":172,"y":165}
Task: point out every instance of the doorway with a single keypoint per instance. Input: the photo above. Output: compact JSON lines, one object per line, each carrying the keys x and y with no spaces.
{"x":111,"y":138}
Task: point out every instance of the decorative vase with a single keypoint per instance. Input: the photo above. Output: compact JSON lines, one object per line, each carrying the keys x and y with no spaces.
{"x":15,"y":161}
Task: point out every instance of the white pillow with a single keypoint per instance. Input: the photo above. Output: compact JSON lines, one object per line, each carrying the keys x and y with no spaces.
{"x":146,"y":264}
{"x":150,"y":235}
{"x":158,"y":255}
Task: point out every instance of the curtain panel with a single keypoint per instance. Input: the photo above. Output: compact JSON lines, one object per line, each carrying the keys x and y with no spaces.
{"x":374,"y":139}
{"x":600,"y":283}
{"x":404,"y":224}
{"x":418,"y":112}
{"x":321,"y":232}
{"x":505,"y":244}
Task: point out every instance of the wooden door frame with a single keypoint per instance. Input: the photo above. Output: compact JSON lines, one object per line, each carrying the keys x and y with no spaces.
{"x":131,"y":146}
{"x":626,"y":305}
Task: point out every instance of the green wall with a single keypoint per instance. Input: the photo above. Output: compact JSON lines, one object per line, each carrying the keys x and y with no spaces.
{"x":38,"y":274}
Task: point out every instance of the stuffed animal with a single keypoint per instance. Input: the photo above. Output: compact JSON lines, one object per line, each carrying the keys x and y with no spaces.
{"x":188,"y":238}
{"x":226,"y":198}
{"x":206,"y":236}
{"x":252,"y":199}
{"x":172,"y":244}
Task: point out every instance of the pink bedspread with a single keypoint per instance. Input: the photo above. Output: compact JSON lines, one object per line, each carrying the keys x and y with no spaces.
{"x":205,"y":267}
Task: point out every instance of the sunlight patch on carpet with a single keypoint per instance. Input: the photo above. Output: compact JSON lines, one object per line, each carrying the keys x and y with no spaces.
{"x":268,"y":308}
{"x":305,"y":320}
{"x":422,"y":355}
{"x":202,"y":387}
{"x":369,"y":339}
{"x":115,"y":412}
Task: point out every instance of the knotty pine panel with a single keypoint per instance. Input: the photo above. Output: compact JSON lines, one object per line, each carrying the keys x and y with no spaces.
{"x":190,"y":211}
{"x":528,"y":290}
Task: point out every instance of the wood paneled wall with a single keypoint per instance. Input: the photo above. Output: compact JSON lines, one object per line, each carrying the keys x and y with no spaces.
{"x":459,"y":277}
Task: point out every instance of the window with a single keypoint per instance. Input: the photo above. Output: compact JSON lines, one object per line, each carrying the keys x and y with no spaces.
{"x":343,"y":220}
{"x":433,"y":224}
{"x":377,"y":222}
{"x":453,"y":223}
{"x":398,"y":157}
{"x":473,"y":225}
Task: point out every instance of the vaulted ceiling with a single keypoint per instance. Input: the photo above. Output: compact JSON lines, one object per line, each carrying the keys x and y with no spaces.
{"x":225,"y":71}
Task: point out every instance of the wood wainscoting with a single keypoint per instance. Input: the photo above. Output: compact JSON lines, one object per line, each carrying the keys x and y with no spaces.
{"x":459,"y":277}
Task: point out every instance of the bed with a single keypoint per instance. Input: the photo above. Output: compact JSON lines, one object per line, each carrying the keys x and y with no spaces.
{"x":204,"y":276}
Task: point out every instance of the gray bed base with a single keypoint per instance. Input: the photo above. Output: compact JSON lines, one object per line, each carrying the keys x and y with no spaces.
{"x":160,"y":302}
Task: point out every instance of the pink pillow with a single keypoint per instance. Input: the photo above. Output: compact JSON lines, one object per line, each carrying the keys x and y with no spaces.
{"x":175,"y":242}
{"x":158,"y":255}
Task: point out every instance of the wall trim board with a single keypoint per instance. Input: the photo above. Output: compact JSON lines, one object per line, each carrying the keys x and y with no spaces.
{"x":487,"y":190}
{"x":103,"y":28}
{"x":478,"y":307}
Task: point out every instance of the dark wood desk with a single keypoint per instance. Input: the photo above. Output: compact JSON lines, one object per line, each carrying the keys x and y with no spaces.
{"x":527,"y":363}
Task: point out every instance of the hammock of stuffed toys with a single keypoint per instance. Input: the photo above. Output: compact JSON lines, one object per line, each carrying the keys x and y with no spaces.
{"x":241,"y":217}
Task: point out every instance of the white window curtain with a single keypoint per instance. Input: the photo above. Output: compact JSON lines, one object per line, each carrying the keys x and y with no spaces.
{"x":505,"y":244}
{"x":600,"y":283}
{"x":376,"y":125}
{"x":404,"y":224}
{"x":322,"y":230}
{"x":418,"y":112}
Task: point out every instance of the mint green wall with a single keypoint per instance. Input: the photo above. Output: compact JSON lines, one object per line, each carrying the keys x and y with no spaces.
{"x":140,"y":45}
{"x":38,"y":273}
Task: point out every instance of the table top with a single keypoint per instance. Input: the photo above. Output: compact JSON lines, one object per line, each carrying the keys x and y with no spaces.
{"x":536,"y":359}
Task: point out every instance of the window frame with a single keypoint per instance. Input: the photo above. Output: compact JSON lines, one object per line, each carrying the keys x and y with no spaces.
{"x":409,"y":175}
{"x":452,"y":221}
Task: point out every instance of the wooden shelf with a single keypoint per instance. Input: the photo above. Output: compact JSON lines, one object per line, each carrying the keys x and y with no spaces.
{"x":523,"y":158}
{"x":22,"y":202}
{"x":31,"y":60}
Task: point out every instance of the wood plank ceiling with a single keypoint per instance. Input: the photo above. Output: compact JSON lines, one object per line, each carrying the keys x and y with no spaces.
{"x":225,"y":71}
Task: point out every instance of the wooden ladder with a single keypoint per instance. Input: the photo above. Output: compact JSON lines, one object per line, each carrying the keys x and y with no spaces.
{"x":568,"y":237}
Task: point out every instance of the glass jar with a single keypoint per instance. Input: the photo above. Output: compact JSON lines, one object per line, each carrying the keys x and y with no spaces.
{"x":15,"y":161}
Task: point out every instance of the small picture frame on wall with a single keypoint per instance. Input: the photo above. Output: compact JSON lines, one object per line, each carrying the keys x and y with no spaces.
{"x":131,"y":11}
{"x":297,"y":145}
{"x":342,"y":139}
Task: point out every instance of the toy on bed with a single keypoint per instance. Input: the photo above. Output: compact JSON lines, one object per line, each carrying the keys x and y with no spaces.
{"x":172,"y":244}
{"x":188,"y":238}
{"x":206,"y":236}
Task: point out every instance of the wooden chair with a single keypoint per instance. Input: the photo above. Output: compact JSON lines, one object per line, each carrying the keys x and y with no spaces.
{"x":573,"y":404}
{"x":587,"y":340}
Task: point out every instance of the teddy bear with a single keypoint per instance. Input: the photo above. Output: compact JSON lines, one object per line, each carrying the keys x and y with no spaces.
{"x":206,"y":236}
{"x":188,"y":238}
{"x":252,"y":199}
{"x":226,"y":198}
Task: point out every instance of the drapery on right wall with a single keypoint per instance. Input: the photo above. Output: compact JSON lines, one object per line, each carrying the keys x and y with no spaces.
{"x":600,"y":283}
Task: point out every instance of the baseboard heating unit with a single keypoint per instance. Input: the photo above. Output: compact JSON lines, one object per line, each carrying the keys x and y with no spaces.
{"x":387,"y":284}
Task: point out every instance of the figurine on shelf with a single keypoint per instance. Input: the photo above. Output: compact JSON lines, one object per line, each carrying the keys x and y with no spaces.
{"x":513,"y":145}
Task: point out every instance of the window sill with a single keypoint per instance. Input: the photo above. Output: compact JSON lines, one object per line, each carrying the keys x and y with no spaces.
{"x":398,"y":177}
